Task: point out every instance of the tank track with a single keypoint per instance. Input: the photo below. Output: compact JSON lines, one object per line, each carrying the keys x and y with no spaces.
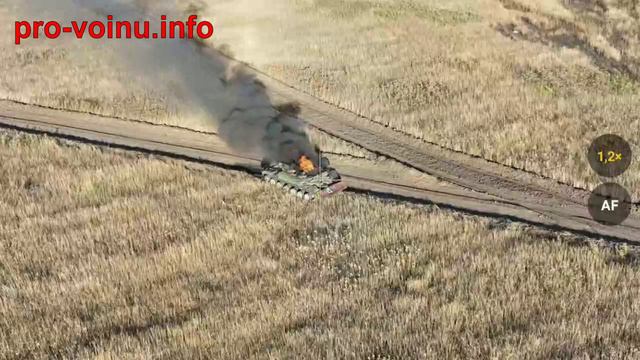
{"x":291,"y":189}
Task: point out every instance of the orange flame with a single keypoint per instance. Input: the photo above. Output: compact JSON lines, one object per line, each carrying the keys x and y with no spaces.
{"x":305,"y":164}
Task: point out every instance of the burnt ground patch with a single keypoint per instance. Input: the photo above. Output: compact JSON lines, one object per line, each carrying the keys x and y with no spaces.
{"x":561,"y":33}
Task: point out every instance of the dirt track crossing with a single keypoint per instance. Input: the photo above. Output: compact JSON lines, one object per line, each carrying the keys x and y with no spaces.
{"x":490,"y":191}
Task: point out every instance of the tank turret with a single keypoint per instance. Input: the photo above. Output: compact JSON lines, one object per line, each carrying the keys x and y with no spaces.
{"x":304,"y":178}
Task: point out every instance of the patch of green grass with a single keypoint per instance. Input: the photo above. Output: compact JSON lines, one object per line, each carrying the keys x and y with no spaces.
{"x":555,"y":81}
{"x":94,"y":193}
{"x":547,"y":90}
{"x":541,"y":79}
{"x":443,"y":16}
{"x":565,"y":81}
{"x":622,"y":85}
{"x":394,"y":11}
{"x":343,"y":9}
{"x":4,"y":274}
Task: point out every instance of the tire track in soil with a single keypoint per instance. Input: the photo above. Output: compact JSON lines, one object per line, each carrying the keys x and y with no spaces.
{"x":524,"y":198}
{"x":474,"y":173}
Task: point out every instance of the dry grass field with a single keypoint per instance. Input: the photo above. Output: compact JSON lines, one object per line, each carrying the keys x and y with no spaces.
{"x":524,"y":83}
{"x":112,"y":255}
{"x":106,"y":254}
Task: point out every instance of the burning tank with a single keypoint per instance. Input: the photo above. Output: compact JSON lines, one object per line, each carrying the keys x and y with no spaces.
{"x":303,"y":177}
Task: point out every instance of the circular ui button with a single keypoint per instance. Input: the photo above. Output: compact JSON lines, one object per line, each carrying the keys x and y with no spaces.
{"x":609,"y":204}
{"x":609,"y":155}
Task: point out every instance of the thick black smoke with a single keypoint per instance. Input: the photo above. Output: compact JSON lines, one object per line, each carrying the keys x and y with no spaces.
{"x":230,"y":95}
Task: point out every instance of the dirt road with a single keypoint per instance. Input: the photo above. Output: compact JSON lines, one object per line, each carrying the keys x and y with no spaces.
{"x":458,"y":182}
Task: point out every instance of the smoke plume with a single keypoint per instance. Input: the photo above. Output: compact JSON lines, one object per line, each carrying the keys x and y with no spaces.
{"x":230,"y":96}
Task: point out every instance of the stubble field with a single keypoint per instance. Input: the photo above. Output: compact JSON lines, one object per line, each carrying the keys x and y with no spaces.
{"x":525,"y":83}
{"x":111,"y":255}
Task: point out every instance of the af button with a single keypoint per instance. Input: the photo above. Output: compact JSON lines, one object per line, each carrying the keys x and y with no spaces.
{"x":609,"y":204}
{"x":609,"y":155}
